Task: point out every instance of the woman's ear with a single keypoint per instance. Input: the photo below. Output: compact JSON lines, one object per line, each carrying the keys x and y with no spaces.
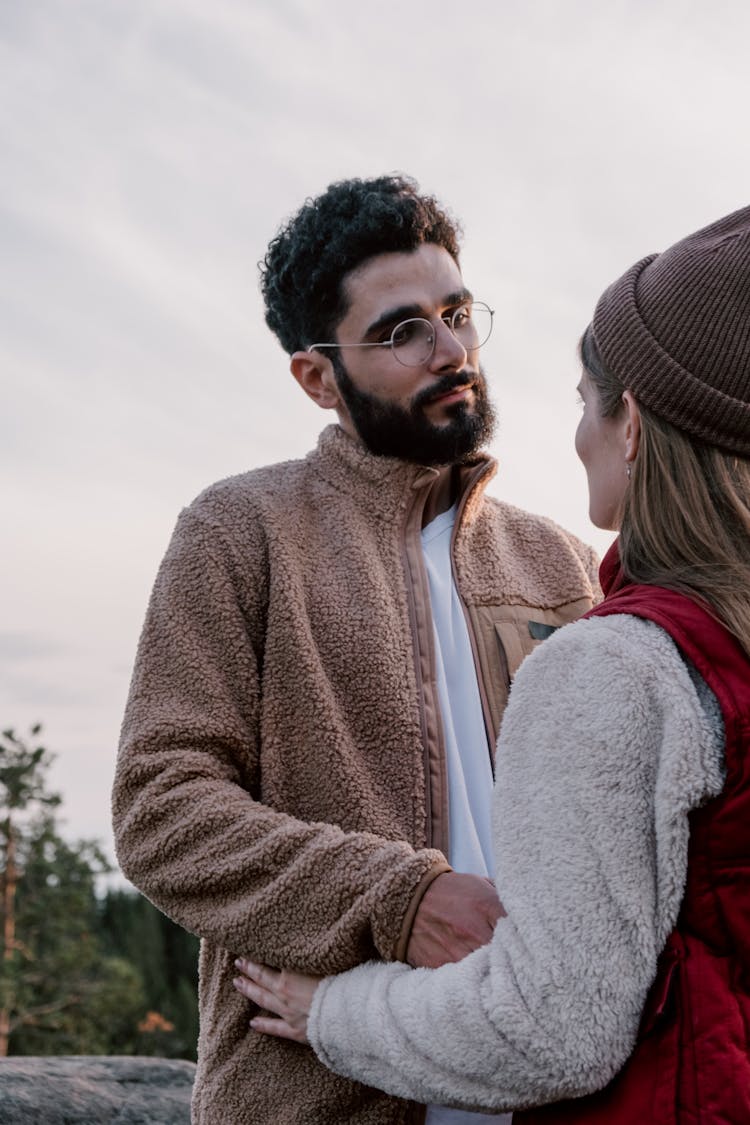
{"x":314,"y":373}
{"x":632,"y":426}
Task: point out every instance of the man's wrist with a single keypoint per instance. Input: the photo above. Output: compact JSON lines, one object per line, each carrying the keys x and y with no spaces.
{"x":438,"y":868}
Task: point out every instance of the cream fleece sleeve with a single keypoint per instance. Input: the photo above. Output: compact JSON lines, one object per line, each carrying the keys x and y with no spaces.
{"x":191,"y":829}
{"x":604,"y":749}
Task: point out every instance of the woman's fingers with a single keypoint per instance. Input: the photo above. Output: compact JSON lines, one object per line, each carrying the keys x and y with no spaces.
{"x":261,"y":975}
{"x":257,"y":994}
{"x":287,"y":994}
{"x":278,"y":1027}
{"x":259,"y":984}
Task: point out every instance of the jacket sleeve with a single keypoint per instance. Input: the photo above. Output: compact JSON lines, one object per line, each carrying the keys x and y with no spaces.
{"x":604,"y":749}
{"x":191,"y":829}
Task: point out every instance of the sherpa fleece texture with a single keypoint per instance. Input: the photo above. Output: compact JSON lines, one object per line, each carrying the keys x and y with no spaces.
{"x":608,"y":741}
{"x":279,"y":778}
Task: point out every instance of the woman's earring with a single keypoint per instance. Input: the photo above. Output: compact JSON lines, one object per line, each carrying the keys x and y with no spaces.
{"x":628,"y":468}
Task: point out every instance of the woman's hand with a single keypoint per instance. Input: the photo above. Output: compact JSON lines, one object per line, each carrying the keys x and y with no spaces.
{"x":286,"y":993}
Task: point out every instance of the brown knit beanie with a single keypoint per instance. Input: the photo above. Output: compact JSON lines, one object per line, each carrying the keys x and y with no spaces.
{"x":675,"y":330}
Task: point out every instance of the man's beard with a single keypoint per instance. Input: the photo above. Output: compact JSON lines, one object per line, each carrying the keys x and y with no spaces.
{"x":390,"y":430}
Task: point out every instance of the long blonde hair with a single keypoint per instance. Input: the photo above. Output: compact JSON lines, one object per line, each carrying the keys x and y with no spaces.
{"x":685,"y":522}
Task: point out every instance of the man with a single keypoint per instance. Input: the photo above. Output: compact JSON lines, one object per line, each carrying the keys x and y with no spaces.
{"x":327,"y":652}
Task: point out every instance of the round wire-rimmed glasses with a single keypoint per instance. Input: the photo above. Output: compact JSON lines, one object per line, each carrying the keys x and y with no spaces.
{"x":412,"y":341}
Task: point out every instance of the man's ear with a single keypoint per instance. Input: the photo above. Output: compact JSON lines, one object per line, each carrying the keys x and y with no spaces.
{"x":314,"y":373}
{"x":632,"y":422}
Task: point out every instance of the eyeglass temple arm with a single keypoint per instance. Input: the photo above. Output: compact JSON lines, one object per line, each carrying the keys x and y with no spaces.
{"x":377,"y":344}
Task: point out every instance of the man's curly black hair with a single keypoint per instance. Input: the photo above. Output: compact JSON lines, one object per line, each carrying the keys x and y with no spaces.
{"x":303,"y":272}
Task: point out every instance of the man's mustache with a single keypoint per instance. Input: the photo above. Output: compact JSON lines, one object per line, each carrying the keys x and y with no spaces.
{"x":445,"y":385}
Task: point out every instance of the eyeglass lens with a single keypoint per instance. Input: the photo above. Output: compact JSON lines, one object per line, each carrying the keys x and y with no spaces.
{"x":413,"y":341}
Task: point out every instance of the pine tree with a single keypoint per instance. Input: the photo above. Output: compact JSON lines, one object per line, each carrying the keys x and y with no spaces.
{"x":60,"y":993}
{"x":166,"y":957}
{"x":22,"y":776}
{"x":80,"y":974}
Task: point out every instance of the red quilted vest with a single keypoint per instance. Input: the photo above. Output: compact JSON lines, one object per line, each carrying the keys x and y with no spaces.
{"x":691,"y":1063}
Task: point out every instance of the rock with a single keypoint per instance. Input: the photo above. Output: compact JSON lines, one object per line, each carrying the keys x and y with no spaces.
{"x":95,"y":1090}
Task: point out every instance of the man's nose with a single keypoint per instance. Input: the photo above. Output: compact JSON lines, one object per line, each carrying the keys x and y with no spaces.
{"x":449,"y":352}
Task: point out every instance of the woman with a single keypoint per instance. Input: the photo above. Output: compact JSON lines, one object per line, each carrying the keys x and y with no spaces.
{"x":617,"y":988}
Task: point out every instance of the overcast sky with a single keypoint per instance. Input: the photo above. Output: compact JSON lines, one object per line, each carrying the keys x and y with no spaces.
{"x":150,"y":149}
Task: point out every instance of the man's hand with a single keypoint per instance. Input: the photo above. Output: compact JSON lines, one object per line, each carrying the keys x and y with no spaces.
{"x":456,"y":916}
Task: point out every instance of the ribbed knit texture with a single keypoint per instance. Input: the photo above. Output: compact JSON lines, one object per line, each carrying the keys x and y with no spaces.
{"x":675,"y":329}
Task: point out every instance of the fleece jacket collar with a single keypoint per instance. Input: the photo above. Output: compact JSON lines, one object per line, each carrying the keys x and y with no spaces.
{"x":385,"y":484}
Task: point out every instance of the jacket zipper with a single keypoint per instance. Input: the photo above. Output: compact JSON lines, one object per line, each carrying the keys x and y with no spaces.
{"x":436,"y":826}
{"x":481,"y":680}
{"x":437,"y":829}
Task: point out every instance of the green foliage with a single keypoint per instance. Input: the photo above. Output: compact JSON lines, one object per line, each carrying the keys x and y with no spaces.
{"x":23,"y":772}
{"x":80,"y":974}
{"x":166,"y":957}
{"x":69,"y":996}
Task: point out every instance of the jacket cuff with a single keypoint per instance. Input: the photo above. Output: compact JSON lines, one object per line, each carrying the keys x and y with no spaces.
{"x":428,"y":878}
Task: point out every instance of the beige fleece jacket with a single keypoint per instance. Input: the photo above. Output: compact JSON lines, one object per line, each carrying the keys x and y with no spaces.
{"x":280,"y":787}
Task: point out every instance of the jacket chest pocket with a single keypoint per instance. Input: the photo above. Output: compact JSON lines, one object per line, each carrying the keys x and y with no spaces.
{"x":506,"y":635}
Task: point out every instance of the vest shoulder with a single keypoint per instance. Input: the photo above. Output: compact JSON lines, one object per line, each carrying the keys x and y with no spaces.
{"x":695,"y":629}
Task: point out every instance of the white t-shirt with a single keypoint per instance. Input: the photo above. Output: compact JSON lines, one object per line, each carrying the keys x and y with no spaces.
{"x":467,"y":751}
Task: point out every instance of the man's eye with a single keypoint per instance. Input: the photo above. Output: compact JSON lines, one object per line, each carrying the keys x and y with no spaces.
{"x":404,"y":333}
{"x":460,"y":318}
